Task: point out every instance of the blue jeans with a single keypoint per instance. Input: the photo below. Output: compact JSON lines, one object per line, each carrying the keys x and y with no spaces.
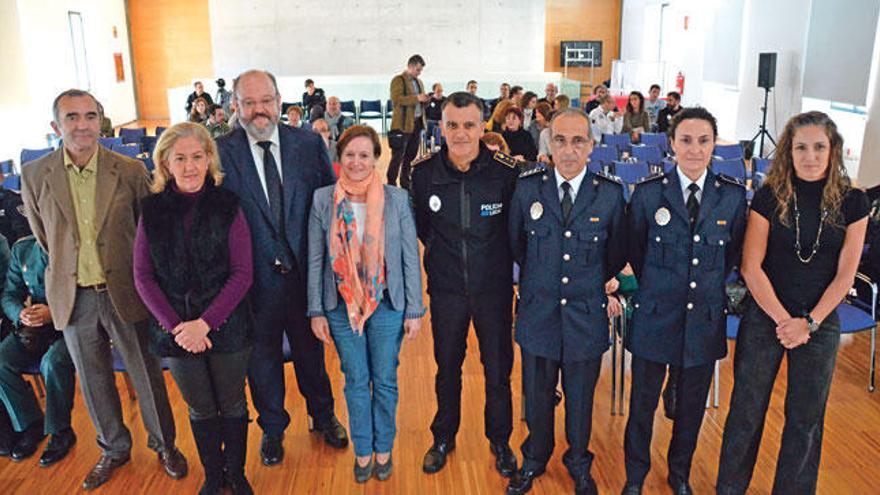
{"x":369,"y":362}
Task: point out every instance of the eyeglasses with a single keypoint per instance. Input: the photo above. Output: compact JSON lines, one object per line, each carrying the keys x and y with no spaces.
{"x":265,"y":102}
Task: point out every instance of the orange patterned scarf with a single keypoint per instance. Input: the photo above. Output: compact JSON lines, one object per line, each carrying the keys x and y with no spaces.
{"x":359,"y":267}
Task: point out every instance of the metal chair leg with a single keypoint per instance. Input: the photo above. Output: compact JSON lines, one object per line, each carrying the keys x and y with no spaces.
{"x":873,"y":358}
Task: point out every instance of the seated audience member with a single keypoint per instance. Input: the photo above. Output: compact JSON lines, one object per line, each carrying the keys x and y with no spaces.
{"x":604,"y":120}
{"x":294,"y":118}
{"x":224,"y":96}
{"x":598,"y":92}
{"x":503,"y":92}
{"x":516,"y":94}
{"x":433,"y":114}
{"x":216,"y":123}
{"x":365,"y":291}
{"x":337,"y":122}
{"x":34,"y":339}
{"x":106,"y":125}
{"x":199,"y":113}
{"x":313,"y":101}
{"x":654,"y":104}
{"x":320,"y":126}
{"x":495,"y":142}
{"x":561,"y":102}
{"x":193,"y":267}
{"x":636,"y":119}
{"x":664,"y":118}
{"x":550,"y":93}
{"x":540,"y":130}
{"x":520,"y":141}
{"x":198,"y":93}
{"x":13,"y":223}
{"x":528,"y":102}
{"x":496,"y":121}
{"x":472,"y":87}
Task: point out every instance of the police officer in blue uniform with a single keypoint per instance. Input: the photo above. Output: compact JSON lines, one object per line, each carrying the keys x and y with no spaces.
{"x":567,"y":229}
{"x":462,"y":195}
{"x":686,"y":230}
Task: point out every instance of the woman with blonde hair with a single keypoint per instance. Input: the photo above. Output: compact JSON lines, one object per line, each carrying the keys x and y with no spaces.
{"x":496,"y":121}
{"x":199,"y":113}
{"x":802,"y":247}
{"x":193,"y":268}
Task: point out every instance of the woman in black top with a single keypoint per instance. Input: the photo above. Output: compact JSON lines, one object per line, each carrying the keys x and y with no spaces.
{"x":518,"y":139}
{"x":801,"y":251}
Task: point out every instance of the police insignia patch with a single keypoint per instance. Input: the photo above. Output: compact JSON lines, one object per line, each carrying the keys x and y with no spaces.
{"x":434,"y":203}
{"x":662,"y":216}
{"x":537,"y":210}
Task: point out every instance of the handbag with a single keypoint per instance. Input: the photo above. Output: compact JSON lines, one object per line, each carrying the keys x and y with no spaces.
{"x":396,"y":139}
{"x":737,"y":295}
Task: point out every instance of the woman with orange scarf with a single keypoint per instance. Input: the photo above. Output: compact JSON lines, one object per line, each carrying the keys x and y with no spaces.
{"x":365,"y":291}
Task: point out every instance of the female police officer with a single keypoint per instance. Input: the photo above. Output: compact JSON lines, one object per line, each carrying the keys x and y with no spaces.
{"x":687,"y":228}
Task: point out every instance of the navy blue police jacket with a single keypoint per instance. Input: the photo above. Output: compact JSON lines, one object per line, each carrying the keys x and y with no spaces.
{"x":562,"y":311}
{"x":680,"y":313}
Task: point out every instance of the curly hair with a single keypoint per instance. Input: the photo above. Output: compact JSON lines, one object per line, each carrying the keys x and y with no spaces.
{"x":781,"y":176}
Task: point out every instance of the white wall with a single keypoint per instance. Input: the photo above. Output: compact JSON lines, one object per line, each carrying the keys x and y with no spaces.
{"x":371,"y":37}
{"x":38,"y":64}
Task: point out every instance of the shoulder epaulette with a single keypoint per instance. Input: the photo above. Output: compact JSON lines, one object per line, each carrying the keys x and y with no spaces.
{"x":538,"y":168}
{"x":730,"y":180}
{"x":421,"y":159}
{"x":506,"y":160}
{"x":650,"y":178}
{"x":609,"y":178}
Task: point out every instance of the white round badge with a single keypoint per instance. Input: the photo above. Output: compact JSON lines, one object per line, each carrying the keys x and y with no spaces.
{"x":662,"y":216}
{"x":434,"y":203}
{"x":537,"y":210}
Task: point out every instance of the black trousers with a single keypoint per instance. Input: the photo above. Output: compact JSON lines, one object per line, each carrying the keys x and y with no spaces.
{"x":402,"y":157}
{"x":212,"y":384}
{"x":451,"y":315}
{"x":755,"y":365}
{"x":540,"y":376}
{"x":647,"y":381}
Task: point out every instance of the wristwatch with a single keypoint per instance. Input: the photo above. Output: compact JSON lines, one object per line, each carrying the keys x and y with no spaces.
{"x":810,"y":322}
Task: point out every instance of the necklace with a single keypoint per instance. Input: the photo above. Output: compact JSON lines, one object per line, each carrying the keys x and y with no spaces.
{"x":797,"y":235}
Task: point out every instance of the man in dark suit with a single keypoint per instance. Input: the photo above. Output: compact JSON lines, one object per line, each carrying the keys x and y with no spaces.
{"x":274,"y":170}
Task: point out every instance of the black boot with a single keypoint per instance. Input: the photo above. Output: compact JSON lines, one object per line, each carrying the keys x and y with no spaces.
{"x":235,"y":451}
{"x":209,"y":441}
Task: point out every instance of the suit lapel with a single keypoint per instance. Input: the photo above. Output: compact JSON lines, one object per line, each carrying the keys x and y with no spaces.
{"x":60,"y":186}
{"x":709,"y":199}
{"x":244,"y":161}
{"x":674,"y":197}
{"x":584,"y":197}
{"x":550,"y":195}
{"x":290,"y":150}
{"x":106,"y":180}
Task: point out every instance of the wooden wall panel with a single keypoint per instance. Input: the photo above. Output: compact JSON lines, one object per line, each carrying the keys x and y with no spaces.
{"x":171,"y":45}
{"x":573,"y":20}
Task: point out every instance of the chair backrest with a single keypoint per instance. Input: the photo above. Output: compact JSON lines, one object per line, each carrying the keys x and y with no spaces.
{"x":604,"y":153}
{"x":130,"y":136}
{"x":28,"y":155}
{"x":148,"y":143}
{"x":130,"y":150}
{"x":734,"y":168}
{"x":657,"y":139}
{"x":347,"y":108}
{"x":108,"y":142}
{"x":576,"y":103}
{"x":621,"y":141}
{"x":160,"y":130}
{"x":728,"y":151}
{"x":648,"y":153}
{"x":761,"y":165}
{"x":389,"y":107}
{"x":373,"y":108}
{"x":13,"y":182}
{"x":631,"y":172}
{"x":6,"y":167}
{"x":668,"y":165}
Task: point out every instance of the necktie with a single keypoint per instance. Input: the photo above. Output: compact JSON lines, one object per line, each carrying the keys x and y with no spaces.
{"x":566,"y":201}
{"x":693,"y":206}
{"x":273,"y":185}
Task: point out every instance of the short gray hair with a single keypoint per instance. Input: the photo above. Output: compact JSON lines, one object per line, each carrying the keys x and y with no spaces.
{"x":252,"y":72}
{"x":73,"y":93}
{"x":568,"y":112}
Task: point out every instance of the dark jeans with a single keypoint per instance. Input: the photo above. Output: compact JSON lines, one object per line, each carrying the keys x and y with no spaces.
{"x":755,"y":365}
{"x":266,"y":373}
{"x":451,"y":316}
{"x":647,"y":381}
{"x":540,"y":376}
{"x":403,"y":156}
{"x":212,"y":384}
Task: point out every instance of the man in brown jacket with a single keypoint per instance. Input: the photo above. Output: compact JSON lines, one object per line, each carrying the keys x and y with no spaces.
{"x":82,"y":204}
{"x":408,"y":97}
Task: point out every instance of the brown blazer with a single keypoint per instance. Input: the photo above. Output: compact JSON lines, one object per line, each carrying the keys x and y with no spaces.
{"x":121,"y":183}
{"x":405,"y":100}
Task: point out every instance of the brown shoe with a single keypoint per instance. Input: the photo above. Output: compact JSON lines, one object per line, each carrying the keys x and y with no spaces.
{"x":102,"y":471}
{"x":174,"y":463}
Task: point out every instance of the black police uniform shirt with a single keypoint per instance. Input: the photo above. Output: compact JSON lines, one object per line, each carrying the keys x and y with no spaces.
{"x":562,"y":311}
{"x":461,"y":218}
{"x":799,"y":286}
{"x":13,"y":223}
{"x":679,"y":311}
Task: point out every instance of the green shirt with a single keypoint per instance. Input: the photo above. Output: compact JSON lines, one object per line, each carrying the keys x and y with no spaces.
{"x":83,"y":183}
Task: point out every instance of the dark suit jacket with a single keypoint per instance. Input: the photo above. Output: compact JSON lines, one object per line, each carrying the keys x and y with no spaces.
{"x":305,"y":167}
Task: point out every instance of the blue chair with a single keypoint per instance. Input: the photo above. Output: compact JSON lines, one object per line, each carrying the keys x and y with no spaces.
{"x":108,"y":142}
{"x":159,"y":131}
{"x":148,"y":163}
{"x":620,"y":141}
{"x":729,"y":151}
{"x":734,"y":168}
{"x":630,"y":173}
{"x":347,"y":108}
{"x":668,"y":165}
{"x":657,"y":139}
{"x":371,"y":110}
{"x":28,"y":155}
{"x":761,"y":165}
{"x":606,"y":155}
{"x":576,"y":103}
{"x":13,"y":182}
{"x":148,"y":143}
{"x":129,"y":150}
{"x":7,"y":167}
{"x":859,"y":313}
{"x":132,"y":136}
{"x":648,"y":153}
{"x":596,"y":167}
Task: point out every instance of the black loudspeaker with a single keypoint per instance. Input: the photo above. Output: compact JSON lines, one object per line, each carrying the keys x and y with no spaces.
{"x":767,"y":70}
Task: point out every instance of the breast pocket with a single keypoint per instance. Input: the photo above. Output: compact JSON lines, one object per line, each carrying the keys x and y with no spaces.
{"x":716,"y":244}
{"x":538,"y":236}
{"x":663,"y":249}
{"x":592,"y":245}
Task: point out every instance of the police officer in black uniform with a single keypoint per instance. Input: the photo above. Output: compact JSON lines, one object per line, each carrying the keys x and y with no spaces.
{"x":462,"y":196}
{"x":567,"y":229}
{"x":686,"y":230}
{"x":13,"y":223}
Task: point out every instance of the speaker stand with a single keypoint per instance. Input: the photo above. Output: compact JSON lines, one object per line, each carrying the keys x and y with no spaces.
{"x":762,"y":131}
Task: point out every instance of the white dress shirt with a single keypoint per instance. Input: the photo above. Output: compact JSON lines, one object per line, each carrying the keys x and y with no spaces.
{"x":257,"y":153}
{"x":574,"y":181}
{"x":686,"y":182}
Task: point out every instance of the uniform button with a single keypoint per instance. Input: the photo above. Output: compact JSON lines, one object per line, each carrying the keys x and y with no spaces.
{"x":595,"y":238}
{"x":637,"y":305}
{"x":566,"y":257}
{"x":657,"y":238}
{"x":697,"y":238}
{"x":695,"y":261}
{"x":532,"y":232}
{"x":690,"y":306}
{"x":563,"y":301}
{"x":720,"y":243}
{"x":567,"y":234}
{"x":564,"y":280}
{"x":693,"y":285}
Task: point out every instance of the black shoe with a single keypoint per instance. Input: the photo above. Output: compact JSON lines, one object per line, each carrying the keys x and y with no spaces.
{"x":333,"y":432}
{"x":28,"y":442}
{"x":585,"y":486}
{"x":8,"y":439}
{"x":272,"y":450}
{"x":363,"y":473}
{"x":235,"y":452}
{"x":435,"y":458}
{"x":669,"y":400}
{"x":680,"y":487}
{"x":632,"y":489}
{"x":505,"y":461}
{"x":522,"y":482}
{"x":383,"y":471}
{"x":59,"y":445}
